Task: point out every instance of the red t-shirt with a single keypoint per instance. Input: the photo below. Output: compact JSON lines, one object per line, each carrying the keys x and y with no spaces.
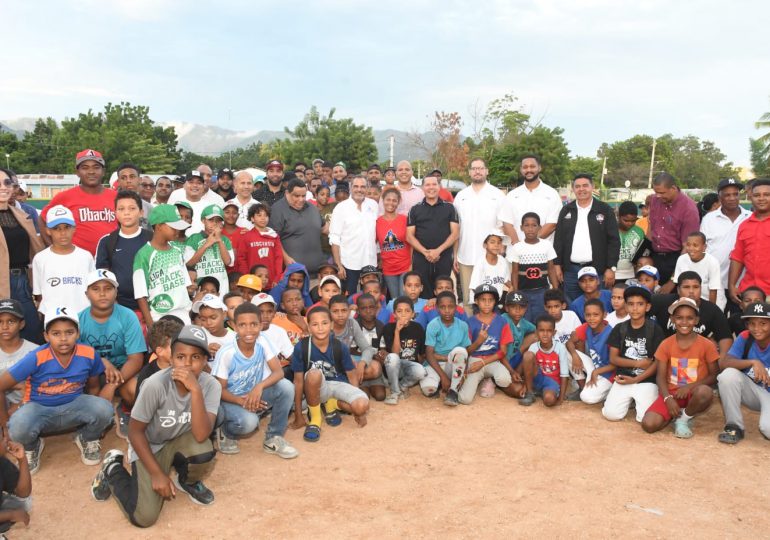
{"x":235,"y":241}
{"x":396,"y":253}
{"x":445,"y":195}
{"x":94,"y":215}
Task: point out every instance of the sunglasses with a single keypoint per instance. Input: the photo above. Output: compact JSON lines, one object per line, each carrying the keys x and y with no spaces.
{"x":8,"y":182}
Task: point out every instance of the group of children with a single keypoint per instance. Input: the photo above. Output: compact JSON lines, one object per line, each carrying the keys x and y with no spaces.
{"x":206,"y":352}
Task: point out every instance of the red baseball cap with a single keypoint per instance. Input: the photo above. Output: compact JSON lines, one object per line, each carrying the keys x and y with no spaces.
{"x":274,"y":163}
{"x":89,"y":155}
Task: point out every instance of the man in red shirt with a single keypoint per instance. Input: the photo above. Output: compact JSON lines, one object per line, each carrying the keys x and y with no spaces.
{"x":92,"y":205}
{"x":752,"y":245}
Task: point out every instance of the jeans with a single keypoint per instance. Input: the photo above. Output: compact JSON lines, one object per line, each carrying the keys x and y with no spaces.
{"x":92,"y":415}
{"x":240,"y":422}
{"x":402,"y":373}
{"x":535,"y":304}
{"x":20,"y":290}
{"x":350,"y":283}
{"x":395,"y":285}
{"x":571,"y":288}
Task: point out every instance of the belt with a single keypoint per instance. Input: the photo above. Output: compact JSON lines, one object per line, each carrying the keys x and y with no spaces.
{"x":18,"y":271}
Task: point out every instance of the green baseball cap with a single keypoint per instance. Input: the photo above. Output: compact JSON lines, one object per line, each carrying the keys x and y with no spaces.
{"x":168,"y":214}
{"x":213,"y":211}
{"x":185,"y":204}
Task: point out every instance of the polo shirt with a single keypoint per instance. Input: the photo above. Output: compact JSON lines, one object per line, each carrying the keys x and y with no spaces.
{"x":243,"y":212}
{"x":265,"y":196}
{"x":543,"y":200}
{"x":409,"y":198}
{"x":751,"y":250}
{"x":477,"y":212}
{"x":670,"y":224}
{"x":353,"y":229}
{"x":300,"y":232}
{"x":431,"y":222}
{"x":720,"y":232}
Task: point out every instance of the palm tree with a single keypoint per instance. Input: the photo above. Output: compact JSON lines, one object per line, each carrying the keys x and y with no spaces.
{"x":764,"y":123}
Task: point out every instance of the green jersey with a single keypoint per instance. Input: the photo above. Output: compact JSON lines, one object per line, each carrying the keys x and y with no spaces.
{"x":161,"y":277}
{"x":630,"y":241}
{"x":211,"y":263}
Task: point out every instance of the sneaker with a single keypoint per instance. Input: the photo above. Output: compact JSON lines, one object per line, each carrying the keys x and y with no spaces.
{"x":90,"y":451}
{"x":573,"y":396}
{"x":121,"y":421}
{"x":33,"y":456}
{"x":404,"y":392}
{"x":197,"y":491}
{"x":100,"y":488}
{"x":451,"y":399}
{"x":527,"y":400}
{"x":226,"y":445}
{"x":436,"y":394}
{"x":280,"y":446}
{"x":487,"y":389}
{"x":682,"y":428}
{"x":393,"y":398}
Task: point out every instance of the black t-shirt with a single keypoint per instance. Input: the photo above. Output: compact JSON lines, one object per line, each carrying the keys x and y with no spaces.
{"x":9,"y":477}
{"x":635,"y":345}
{"x":712,"y":321}
{"x":412,"y":339}
{"x":432,"y":222}
{"x":145,"y":373}
{"x":736,"y":323}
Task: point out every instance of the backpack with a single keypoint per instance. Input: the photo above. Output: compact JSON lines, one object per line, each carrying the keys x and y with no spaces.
{"x":336,"y":346}
{"x":747,"y":346}
{"x":112,"y":242}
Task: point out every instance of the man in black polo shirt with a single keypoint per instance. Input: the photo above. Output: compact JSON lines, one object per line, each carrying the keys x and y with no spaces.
{"x":273,"y":190}
{"x":712,"y":322}
{"x":432,"y":229}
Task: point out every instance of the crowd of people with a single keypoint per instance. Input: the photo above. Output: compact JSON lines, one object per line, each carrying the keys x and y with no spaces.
{"x":187,"y":310}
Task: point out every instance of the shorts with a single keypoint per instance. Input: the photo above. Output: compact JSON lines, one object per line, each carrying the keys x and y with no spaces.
{"x":659,"y":406}
{"x":379,"y":381}
{"x":541,"y":383}
{"x":339,"y":390}
{"x":515,"y":360}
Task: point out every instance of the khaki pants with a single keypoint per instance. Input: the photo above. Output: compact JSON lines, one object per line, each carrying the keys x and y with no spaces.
{"x":465,"y":283}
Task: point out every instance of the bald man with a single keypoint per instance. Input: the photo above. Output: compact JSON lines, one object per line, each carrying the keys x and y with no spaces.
{"x":410,"y":194}
{"x":244,"y":186}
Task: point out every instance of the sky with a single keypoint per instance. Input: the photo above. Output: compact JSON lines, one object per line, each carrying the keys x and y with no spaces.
{"x":603,"y":70}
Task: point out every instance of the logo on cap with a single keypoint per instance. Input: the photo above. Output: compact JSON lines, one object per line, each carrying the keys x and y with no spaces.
{"x":6,"y":304}
{"x":759,"y":308}
{"x":62,"y":311}
{"x":197,"y":333}
{"x":103,"y":274}
{"x":60,"y":211}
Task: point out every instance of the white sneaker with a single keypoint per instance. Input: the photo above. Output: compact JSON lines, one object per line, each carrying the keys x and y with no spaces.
{"x":393,"y":398}
{"x":280,"y":446}
{"x":226,"y":445}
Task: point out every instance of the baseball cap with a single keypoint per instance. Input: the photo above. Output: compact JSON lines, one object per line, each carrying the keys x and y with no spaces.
{"x":341,"y":164}
{"x":58,"y":215}
{"x":273,"y":163}
{"x":317,"y":160}
{"x":494,"y":232}
{"x":689,"y":302}
{"x":484,"y":289}
{"x":637,"y":289}
{"x":192,"y":335}
{"x":250,"y":281}
{"x":168,"y":214}
{"x":197,"y":175}
{"x":588,"y":271}
{"x":185,"y":204}
{"x":727,"y":182}
{"x":22,"y":185}
{"x":89,"y":155}
{"x":177,"y":180}
{"x":434,"y":171}
{"x":101,"y":275}
{"x":231,"y":202}
{"x":329,"y":265}
{"x":327,"y":279}
{"x":390,"y":169}
{"x":212,"y":211}
{"x":12,"y":307}
{"x":54,"y":314}
{"x":209,"y":300}
{"x":367,"y":270}
{"x":262,"y":298}
{"x":259,"y":179}
{"x":649,"y":270}
{"x":516,"y":298}
{"x":374,"y":167}
{"x":760,"y":310}
{"x":226,"y":172}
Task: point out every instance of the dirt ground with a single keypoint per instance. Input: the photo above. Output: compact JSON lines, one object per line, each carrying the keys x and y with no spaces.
{"x":423,"y":470}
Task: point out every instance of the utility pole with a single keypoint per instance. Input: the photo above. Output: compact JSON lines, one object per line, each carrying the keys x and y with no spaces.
{"x":652,"y":164}
{"x":392,"y":146}
{"x":604,"y":171}
{"x":230,"y":160}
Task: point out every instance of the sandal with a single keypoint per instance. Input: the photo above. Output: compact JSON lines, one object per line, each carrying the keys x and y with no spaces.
{"x":732,"y":434}
{"x":333,"y":418}
{"x":312,"y":433}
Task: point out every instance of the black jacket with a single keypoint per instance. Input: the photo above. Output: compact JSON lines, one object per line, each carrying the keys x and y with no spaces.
{"x":602,"y":229}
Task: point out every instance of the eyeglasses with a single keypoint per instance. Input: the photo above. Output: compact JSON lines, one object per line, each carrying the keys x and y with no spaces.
{"x":8,"y":182}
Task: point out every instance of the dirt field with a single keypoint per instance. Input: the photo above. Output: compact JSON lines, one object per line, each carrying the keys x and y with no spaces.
{"x":422,"y":470}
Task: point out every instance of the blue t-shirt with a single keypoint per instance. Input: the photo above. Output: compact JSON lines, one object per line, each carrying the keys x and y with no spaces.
{"x":755,"y":353}
{"x":324,"y":361}
{"x":51,"y":384}
{"x":241,"y":373}
{"x":444,"y":338}
{"x":385,"y":315}
{"x":424,"y":317}
{"x":580,"y":303}
{"x":122,"y":264}
{"x":598,"y":350}
{"x":498,"y":335}
{"x":115,"y":339}
{"x":524,"y":328}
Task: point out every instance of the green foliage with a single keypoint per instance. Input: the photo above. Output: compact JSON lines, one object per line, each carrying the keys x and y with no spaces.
{"x":547,"y":143}
{"x":760,"y":157}
{"x":335,"y":140}
{"x":583,"y":164}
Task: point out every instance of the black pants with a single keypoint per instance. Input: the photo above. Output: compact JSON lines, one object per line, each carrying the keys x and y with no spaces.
{"x":666,"y":264}
{"x":429,"y":271}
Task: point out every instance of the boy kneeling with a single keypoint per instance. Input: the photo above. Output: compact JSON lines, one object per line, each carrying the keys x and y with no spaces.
{"x":170,"y":426}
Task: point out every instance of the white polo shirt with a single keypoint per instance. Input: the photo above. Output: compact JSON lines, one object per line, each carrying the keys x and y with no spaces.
{"x":543,"y":200}
{"x":478,"y":213}
{"x":354,"y":231}
{"x":243,"y":212}
{"x":720,"y":237}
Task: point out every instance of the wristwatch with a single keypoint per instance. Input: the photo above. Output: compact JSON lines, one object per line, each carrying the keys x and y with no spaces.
{"x":614,"y":268}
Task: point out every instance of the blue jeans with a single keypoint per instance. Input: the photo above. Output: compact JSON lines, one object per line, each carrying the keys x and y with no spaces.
{"x":571,"y":288}
{"x":535,"y":304}
{"x":92,"y":415}
{"x":240,"y":422}
{"x":395,"y":285}
{"x":402,"y":373}
{"x":350,"y":283}
{"x":21,"y":291}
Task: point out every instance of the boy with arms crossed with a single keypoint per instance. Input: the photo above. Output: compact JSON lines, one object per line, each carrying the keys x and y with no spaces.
{"x":404,"y":341}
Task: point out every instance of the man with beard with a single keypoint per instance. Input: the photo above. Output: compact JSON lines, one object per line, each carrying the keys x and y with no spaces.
{"x":224,"y":187}
{"x":374,"y":174}
{"x":299,"y":225}
{"x":533,"y":195}
{"x":273,"y":191}
{"x":163,"y":189}
{"x":326,"y":173}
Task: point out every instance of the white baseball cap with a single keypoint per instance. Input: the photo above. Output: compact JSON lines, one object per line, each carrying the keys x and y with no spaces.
{"x":101,"y":275}
{"x":209,"y":300}
{"x":262,"y":298}
{"x":57,"y":215}
{"x":54,"y":314}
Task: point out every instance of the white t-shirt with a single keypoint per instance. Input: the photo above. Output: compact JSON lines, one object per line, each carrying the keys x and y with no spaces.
{"x":543,"y":200}
{"x":582,"y":251}
{"x":564,"y":327}
{"x":279,"y":341}
{"x":485,"y":273}
{"x":229,"y":337}
{"x":709,"y":271}
{"x":9,"y":359}
{"x":61,"y":279}
{"x":613,"y":319}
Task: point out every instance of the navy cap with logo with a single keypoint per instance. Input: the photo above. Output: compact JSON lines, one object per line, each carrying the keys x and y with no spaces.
{"x":367,"y":270}
{"x":760,"y":310}
{"x":486,"y":289}
{"x":516,"y":298}
{"x":12,"y":307}
{"x":727,"y":182}
{"x":194,"y":336}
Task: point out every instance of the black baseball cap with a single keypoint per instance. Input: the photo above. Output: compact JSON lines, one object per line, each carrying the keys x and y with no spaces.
{"x":516,"y":298}
{"x":226,"y":172}
{"x":759,"y":310}
{"x":635,"y":288}
{"x":367,"y":270}
{"x":12,"y":307}
{"x":374,"y":167}
{"x":486,"y":289}
{"x":727,"y":182}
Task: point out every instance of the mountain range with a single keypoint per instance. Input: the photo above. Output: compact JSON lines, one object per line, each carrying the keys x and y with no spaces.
{"x":214,"y":140}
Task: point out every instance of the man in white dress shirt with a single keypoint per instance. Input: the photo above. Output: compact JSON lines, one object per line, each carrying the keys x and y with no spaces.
{"x":244,"y":187}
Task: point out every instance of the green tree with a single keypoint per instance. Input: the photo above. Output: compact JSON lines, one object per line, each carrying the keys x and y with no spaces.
{"x":760,"y":157}
{"x":41,"y":150}
{"x":583,"y":164}
{"x":335,"y":139}
{"x":547,"y":143}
